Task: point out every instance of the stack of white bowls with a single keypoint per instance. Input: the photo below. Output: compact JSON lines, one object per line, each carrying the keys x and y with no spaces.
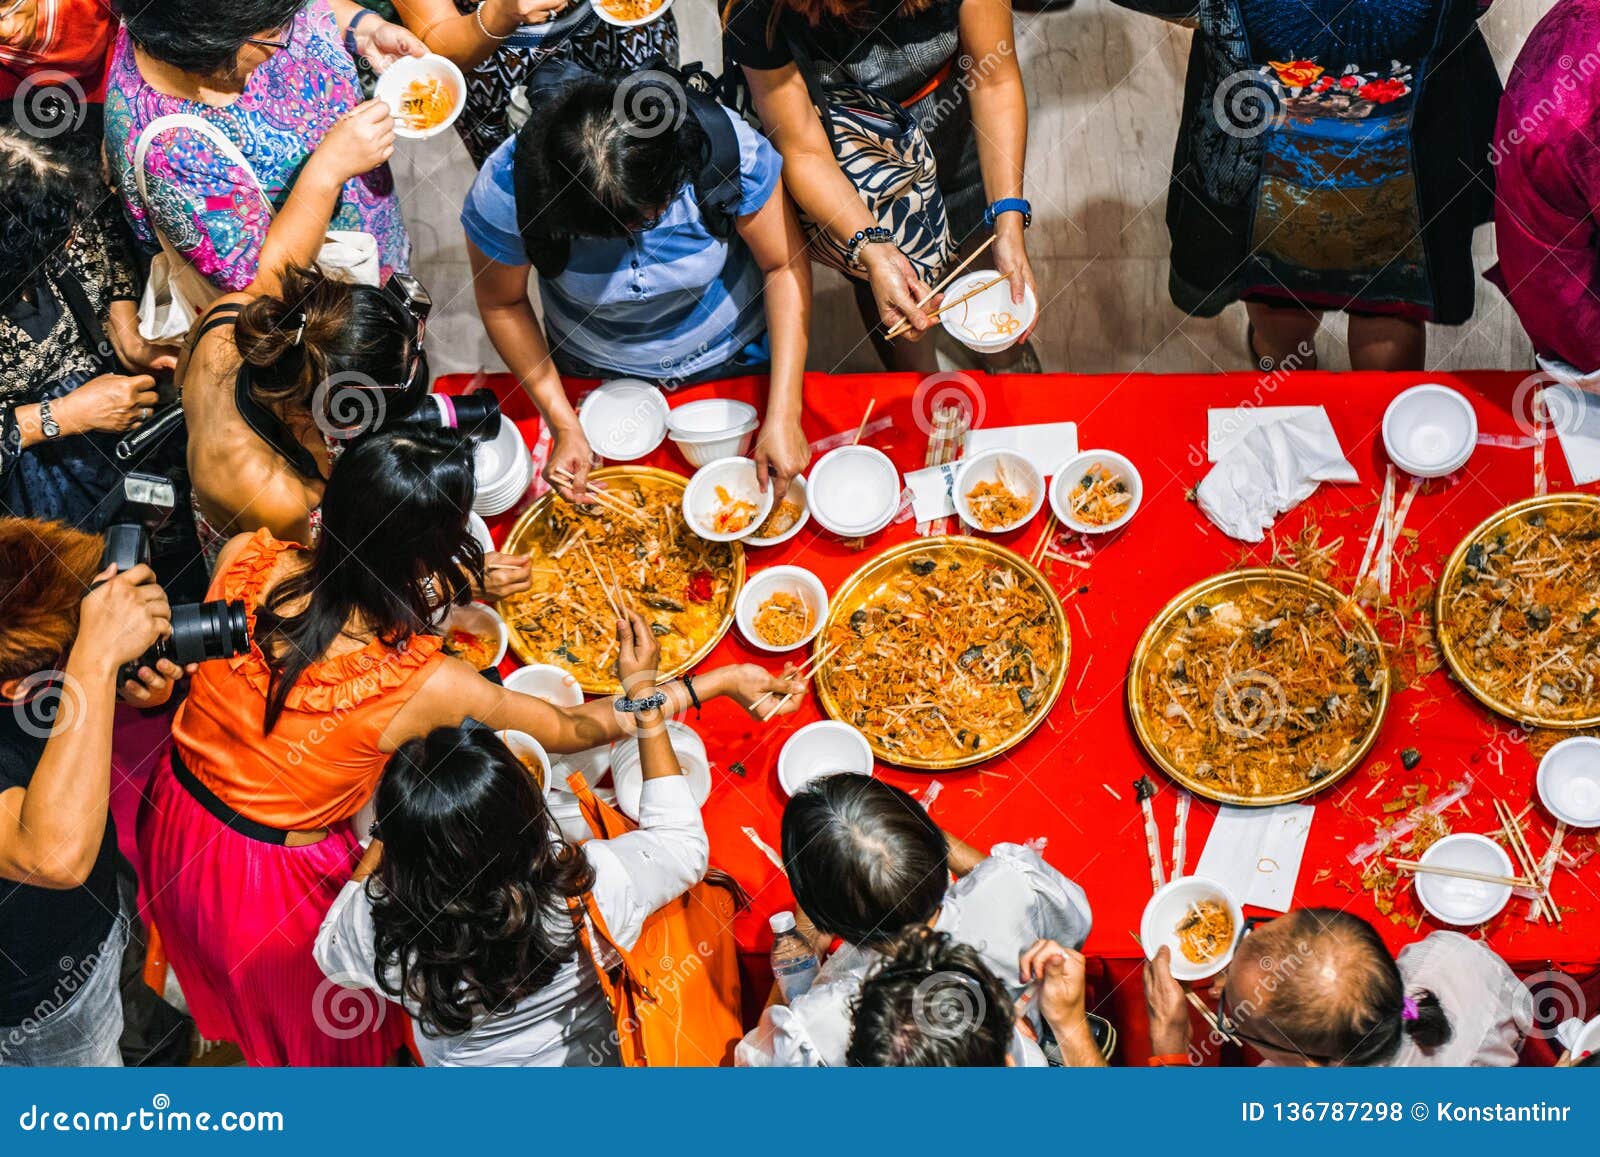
{"x":504,"y":470}
{"x":853,"y":491}
{"x":712,"y":428}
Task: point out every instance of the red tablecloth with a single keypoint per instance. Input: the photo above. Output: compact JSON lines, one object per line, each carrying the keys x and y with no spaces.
{"x":1051,"y":785}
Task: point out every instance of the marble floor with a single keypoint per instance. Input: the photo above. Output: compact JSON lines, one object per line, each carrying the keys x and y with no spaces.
{"x":1105,"y":87}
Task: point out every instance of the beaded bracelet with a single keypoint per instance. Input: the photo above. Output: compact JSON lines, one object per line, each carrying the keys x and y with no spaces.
{"x":477,"y":14}
{"x":873,"y":235}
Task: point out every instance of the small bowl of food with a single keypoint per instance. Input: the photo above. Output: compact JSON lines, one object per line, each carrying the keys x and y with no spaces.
{"x":998,"y":490}
{"x":989,"y":321}
{"x":853,"y":491}
{"x":781,"y":608}
{"x":723,"y":501}
{"x":1430,"y":431}
{"x":1198,"y":920}
{"x":555,"y":685}
{"x":826,"y":747}
{"x":530,"y":753}
{"x":476,"y":634}
{"x":789,"y":515}
{"x":712,"y":428}
{"x":1096,"y":492}
{"x":425,"y":93}
{"x":1464,"y":902}
{"x":630,"y":13}
{"x":627,"y":773}
{"x":1569,"y":781}
{"x":623,"y":419}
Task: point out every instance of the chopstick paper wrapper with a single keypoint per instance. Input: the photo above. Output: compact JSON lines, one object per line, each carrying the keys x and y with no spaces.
{"x":1405,"y":827}
{"x":1145,"y":790}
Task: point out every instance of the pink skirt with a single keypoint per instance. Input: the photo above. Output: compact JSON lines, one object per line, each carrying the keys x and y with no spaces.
{"x":238,"y":919}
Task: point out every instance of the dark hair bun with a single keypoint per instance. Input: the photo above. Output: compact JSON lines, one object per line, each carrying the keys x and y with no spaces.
{"x":1431,"y":1028}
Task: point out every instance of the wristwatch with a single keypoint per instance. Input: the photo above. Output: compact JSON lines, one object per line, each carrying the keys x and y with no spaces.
{"x":47,"y":422}
{"x":648,"y":703}
{"x":1009,"y":205}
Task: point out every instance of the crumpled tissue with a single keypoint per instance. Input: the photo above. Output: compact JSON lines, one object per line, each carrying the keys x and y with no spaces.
{"x":1271,"y":470}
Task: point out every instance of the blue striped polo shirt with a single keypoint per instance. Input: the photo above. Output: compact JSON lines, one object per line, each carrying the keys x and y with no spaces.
{"x":668,"y":302}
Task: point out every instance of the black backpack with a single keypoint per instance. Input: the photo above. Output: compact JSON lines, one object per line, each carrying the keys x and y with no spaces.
{"x":717,"y":184}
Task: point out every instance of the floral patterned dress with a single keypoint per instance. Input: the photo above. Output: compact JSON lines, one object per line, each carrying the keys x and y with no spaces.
{"x":1334,"y":153}
{"x":211,"y":212}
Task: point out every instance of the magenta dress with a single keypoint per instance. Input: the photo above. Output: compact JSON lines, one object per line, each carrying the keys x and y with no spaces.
{"x":211,"y":212}
{"x":1546,"y":153}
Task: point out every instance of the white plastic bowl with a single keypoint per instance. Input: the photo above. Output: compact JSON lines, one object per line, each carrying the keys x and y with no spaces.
{"x":826,"y":747}
{"x":1464,"y":903}
{"x":1579,"y":1039}
{"x":624,"y":419}
{"x":392,"y":84}
{"x":1569,"y":781}
{"x":712,"y":428}
{"x":1071,"y":472}
{"x":600,"y":11}
{"x":1430,"y":431}
{"x":526,"y":747}
{"x":968,"y":321}
{"x":853,"y":491}
{"x":1021,"y":475}
{"x":479,"y":529}
{"x":627,"y":774}
{"x":797,"y":493}
{"x":481,"y":620}
{"x":555,"y":685}
{"x":737,"y":478}
{"x":1166,"y":911}
{"x":762,"y":585}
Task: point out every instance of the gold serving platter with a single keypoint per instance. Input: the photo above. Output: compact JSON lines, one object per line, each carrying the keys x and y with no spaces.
{"x":699,"y":628}
{"x":1540,"y":713}
{"x":861,"y":591}
{"x":1248,"y":692}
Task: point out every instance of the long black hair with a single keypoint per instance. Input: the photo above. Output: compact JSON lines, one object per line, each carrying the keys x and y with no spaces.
{"x":48,"y":191}
{"x":201,"y":36}
{"x":601,"y":159}
{"x":394,"y":548}
{"x":863,"y":858}
{"x":469,"y":902}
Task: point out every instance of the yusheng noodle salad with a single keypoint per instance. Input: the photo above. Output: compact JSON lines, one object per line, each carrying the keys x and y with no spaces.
{"x":945,"y":657}
{"x":1524,"y":612}
{"x":1264,"y":691}
{"x":679,"y":582}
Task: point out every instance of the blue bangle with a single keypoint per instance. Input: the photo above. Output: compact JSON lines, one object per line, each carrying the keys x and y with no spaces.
{"x":350,"y":32}
{"x":1008,"y":205}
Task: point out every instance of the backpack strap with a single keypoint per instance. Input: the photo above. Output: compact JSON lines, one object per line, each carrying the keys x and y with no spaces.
{"x":718,"y":179}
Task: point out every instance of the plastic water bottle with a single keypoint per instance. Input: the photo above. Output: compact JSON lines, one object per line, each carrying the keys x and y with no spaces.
{"x":794,"y":965}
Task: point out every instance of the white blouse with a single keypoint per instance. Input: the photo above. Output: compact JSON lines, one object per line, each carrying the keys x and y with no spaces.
{"x":1007,"y":902}
{"x":568,"y":1021}
{"x":1490,"y":1010}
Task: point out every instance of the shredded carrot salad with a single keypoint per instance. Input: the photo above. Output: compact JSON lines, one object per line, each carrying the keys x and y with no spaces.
{"x":783,"y":619}
{"x":950,"y":654}
{"x":1264,"y":690}
{"x":731,"y":514}
{"x":996,"y":505}
{"x":1099,"y":497}
{"x":426,"y":102}
{"x":1205,"y":932}
{"x":682,"y":584}
{"x":630,"y":9}
{"x":1522,"y":612}
{"x":782,"y":518}
{"x":474,"y":648}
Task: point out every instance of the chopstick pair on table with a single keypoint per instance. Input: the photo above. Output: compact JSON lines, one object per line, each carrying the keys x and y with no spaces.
{"x":1144,"y":789}
{"x":951,"y":276}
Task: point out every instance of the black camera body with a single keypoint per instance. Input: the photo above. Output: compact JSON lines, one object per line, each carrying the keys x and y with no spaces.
{"x":200,"y":631}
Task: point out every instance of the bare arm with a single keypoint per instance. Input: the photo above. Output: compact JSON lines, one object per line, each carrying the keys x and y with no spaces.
{"x":1000,"y":118}
{"x":776,"y":242}
{"x":963,"y":856}
{"x":460,"y":36}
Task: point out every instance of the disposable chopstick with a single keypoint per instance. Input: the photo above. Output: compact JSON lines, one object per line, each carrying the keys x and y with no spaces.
{"x":808,"y":669}
{"x":609,"y":501}
{"x":1180,"y":836}
{"x":1519,"y":847}
{"x":865,"y":418}
{"x":1205,"y":1013}
{"x":600,"y":578}
{"x":967,"y":296}
{"x":1416,"y":866}
{"x":902,"y":326}
{"x":1145,"y":790}
{"x":1036,"y":556}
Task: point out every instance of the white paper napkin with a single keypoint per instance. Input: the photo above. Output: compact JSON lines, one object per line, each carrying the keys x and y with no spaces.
{"x":1272,"y":469}
{"x":1255,"y":852}
{"x":1226,"y":428}
{"x":1047,"y":445}
{"x":933,"y":491}
{"x":1574,"y":409}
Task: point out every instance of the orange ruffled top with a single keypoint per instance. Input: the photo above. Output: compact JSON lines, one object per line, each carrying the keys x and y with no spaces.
{"x":322,"y":760}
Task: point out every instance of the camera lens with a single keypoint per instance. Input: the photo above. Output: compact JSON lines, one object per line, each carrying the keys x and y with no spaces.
{"x":201,"y":631}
